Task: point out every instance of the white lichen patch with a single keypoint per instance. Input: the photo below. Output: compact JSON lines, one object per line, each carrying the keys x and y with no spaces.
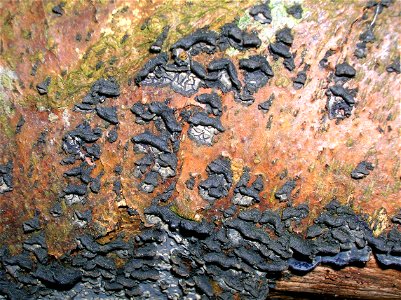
{"x":7,"y":83}
{"x":71,"y":199}
{"x":3,"y":186}
{"x":242,"y":200}
{"x":202,"y":134}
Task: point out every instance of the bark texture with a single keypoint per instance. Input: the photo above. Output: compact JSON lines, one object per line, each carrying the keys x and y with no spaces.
{"x":294,"y":140}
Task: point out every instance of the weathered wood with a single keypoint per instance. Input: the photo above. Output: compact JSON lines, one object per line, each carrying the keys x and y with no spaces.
{"x":84,"y":41}
{"x":368,"y":282}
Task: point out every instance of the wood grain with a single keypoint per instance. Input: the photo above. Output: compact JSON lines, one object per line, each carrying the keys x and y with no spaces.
{"x":369,"y":282}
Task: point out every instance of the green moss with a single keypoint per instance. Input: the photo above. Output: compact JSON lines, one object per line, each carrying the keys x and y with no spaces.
{"x":26,"y":34}
{"x":185,"y":213}
{"x":134,"y":51}
{"x":350,"y":142}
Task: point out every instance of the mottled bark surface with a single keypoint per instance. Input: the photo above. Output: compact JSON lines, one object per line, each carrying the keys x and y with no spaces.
{"x":294,"y":140}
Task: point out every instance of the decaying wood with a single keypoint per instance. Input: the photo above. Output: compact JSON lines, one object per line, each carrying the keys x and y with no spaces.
{"x":294,"y":140}
{"x":368,"y":282}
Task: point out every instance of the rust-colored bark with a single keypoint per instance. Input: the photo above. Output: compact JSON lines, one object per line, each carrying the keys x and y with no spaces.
{"x":319,"y":152}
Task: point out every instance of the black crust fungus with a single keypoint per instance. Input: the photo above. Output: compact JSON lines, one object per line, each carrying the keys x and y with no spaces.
{"x":42,"y":87}
{"x":345,"y":70}
{"x":108,"y":114}
{"x":368,"y":36}
{"x":6,"y":177}
{"x":112,"y":136}
{"x":58,"y":10}
{"x":284,"y":193}
{"x":182,"y":73}
{"x":281,"y":48}
{"x":362,"y":170}
{"x":247,"y":195}
{"x":324,"y":61}
{"x":340,"y":99}
{"x":261,"y":13}
{"x":203,"y":128}
{"x":257,"y":72}
{"x":20,"y":123}
{"x":157,"y":45}
{"x":212,"y":102}
{"x":100,"y":90}
{"x":31,"y":225}
{"x":299,"y":81}
{"x":265,"y":106}
{"x":232,"y":35}
{"x":219,"y":180}
{"x":295,"y":11}
{"x":243,"y":255}
{"x":394,"y":66}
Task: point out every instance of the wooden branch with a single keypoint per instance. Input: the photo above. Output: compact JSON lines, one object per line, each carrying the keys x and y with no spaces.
{"x":369,"y":282}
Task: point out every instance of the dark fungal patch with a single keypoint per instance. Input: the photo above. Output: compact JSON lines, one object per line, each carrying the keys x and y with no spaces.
{"x":81,"y":219}
{"x":232,"y":35}
{"x":108,"y":114}
{"x":261,"y":13}
{"x":222,"y":74}
{"x":156,"y":47}
{"x":324,"y":61}
{"x":32,"y":224}
{"x":100,"y":90}
{"x":190,"y":183}
{"x":265,"y":106}
{"x":166,"y":114}
{"x":299,"y":212}
{"x":148,"y":139}
{"x":367,"y":36}
{"x":142,"y":113}
{"x":394,"y":66}
{"x":117,"y":187}
{"x":219,"y":180}
{"x":344,"y":72}
{"x":284,"y":193}
{"x":165,"y":195}
{"x":150,"y":181}
{"x":159,"y":163}
{"x":340,"y":100}
{"x":345,"y":94}
{"x":112,"y":135}
{"x":212,"y":102}
{"x":362,"y":170}
{"x":58,"y":10}
{"x":295,"y":11}
{"x":299,"y":81}
{"x":204,"y":128}
{"x":20,"y":123}
{"x":241,"y":256}
{"x":79,"y":144}
{"x":202,"y":40}
{"x":42,"y":87}
{"x":257,"y":72}
{"x":158,"y":72}
{"x":281,"y":48}
{"x":56,"y":210}
{"x":245,"y":195}
{"x":55,"y":275}
{"x":150,"y":66}
{"x":6,"y":177}
{"x":182,"y":73}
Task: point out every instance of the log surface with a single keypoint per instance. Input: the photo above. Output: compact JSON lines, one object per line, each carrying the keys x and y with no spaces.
{"x":294,"y":140}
